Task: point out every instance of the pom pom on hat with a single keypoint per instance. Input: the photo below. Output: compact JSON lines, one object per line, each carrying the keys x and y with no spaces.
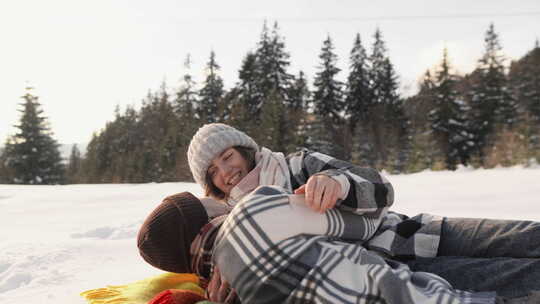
{"x":209,"y":142}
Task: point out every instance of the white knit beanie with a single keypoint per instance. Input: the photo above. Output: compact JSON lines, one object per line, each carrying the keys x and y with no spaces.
{"x":210,"y":141}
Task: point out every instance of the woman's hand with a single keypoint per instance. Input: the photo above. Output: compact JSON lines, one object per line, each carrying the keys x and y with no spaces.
{"x":322,"y":192}
{"x":219,"y":290}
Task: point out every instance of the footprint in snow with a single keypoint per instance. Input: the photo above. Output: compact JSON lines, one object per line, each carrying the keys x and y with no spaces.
{"x":100,"y":233}
{"x":4,"y":266}
{"x":15,"y":281}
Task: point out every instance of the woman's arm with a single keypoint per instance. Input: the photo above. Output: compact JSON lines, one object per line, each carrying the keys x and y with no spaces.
{"x":363,"y":190}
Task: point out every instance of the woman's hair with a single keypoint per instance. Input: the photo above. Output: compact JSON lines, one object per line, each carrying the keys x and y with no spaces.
{"x":248,"y":154}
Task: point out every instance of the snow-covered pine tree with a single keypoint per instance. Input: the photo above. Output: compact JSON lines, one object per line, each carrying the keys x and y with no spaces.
{"x":328,"y":94}
{"x":271,"y":83}
{"x":377,"y":68}
{"x":398,"y":137}
{"x":524,"y":77}
{"x":357,"y":99}
{"x":328,"y":104}
{"x":32,"y":155}
{"x":387,"y":122}
{"x":272,"y":76}
{"x":493,"y":107}
{"x":448,"y":118}
{"x":211,"y":94}
{"x":374,"y":149}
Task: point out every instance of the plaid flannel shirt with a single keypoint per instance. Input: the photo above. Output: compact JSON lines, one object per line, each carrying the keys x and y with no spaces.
{"x":273,"y":249}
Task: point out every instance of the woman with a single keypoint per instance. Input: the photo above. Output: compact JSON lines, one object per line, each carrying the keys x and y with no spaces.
{"x":228,"y":164}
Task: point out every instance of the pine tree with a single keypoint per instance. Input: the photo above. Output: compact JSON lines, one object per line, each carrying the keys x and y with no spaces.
{"x":247,"y":93}
{"x":524,"y":78}
{"x":243,"y":102}
{"x":157,"y":152}
{"x":358,"y":87}
{"x":187,"y":122}
{"x":373,"y":149}
{"x":448,"y":118}
{"x":419,"y":106}
{"x":378,"y":67}
{"x":357,"y":100}
{"x":272,"y":62}
{"x":185,"y":107}
{"x":6,"y":172}
{"x":318,"y":136}
{"x":185,"y":101}
{"x":273,"y":126}
{"x":386,"y":123}
{"x":211,"y":94}
{"x":297,"y":113}
{"x":130,"y":139}
{"x":328,"y":94}
{"x":74,"y":166}
{"x":328,"y":98}
{"x":89,"y":164}
{"x":493,"y":107}
{"x":299,"y":93}
{"x":32,"y":154}
{"x":424,"y":154}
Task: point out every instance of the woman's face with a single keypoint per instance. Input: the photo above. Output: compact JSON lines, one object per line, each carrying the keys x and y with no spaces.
{"x":227,"y":170}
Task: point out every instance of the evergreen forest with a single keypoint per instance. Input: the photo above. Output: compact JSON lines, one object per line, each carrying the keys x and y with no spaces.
{"x":486,"y":118}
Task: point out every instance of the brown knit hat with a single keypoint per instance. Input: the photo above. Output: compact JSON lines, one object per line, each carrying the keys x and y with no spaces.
{"x":165,"y":237}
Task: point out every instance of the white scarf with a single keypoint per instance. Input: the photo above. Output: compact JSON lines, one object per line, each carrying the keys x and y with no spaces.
{"x":270,"y":169}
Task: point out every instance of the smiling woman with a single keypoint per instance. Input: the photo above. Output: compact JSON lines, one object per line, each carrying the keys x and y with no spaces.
{"x":228,"y":169}
{"x":213,"y":161}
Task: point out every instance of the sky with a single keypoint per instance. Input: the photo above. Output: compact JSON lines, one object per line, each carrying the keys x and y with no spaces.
{"x":62,"y":240}
{"x":84,"y":58}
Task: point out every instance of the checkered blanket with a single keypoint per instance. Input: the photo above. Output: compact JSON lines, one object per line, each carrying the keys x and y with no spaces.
{"x":274,"y":249}
{"x":370,"y":194}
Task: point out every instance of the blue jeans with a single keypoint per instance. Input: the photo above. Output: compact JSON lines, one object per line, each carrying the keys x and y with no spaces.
{"x":487,"y":255}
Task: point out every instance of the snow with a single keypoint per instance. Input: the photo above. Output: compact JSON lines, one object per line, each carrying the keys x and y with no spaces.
{"x":57,"y":241}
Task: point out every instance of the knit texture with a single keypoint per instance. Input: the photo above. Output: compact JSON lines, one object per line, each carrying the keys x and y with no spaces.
{"x":165,"y":237}
{"x":209,"y":142}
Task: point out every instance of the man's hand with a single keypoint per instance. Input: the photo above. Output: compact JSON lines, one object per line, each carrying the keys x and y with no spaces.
{"x":321,"y":192}
{"x":219,"y":290}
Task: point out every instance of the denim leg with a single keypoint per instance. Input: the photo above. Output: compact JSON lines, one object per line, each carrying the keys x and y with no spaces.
{"x":509,"y":277}
{"x":469,"y":237}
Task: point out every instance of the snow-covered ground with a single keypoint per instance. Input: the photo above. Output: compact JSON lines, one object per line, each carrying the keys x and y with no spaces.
{"x":56,"y":241}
